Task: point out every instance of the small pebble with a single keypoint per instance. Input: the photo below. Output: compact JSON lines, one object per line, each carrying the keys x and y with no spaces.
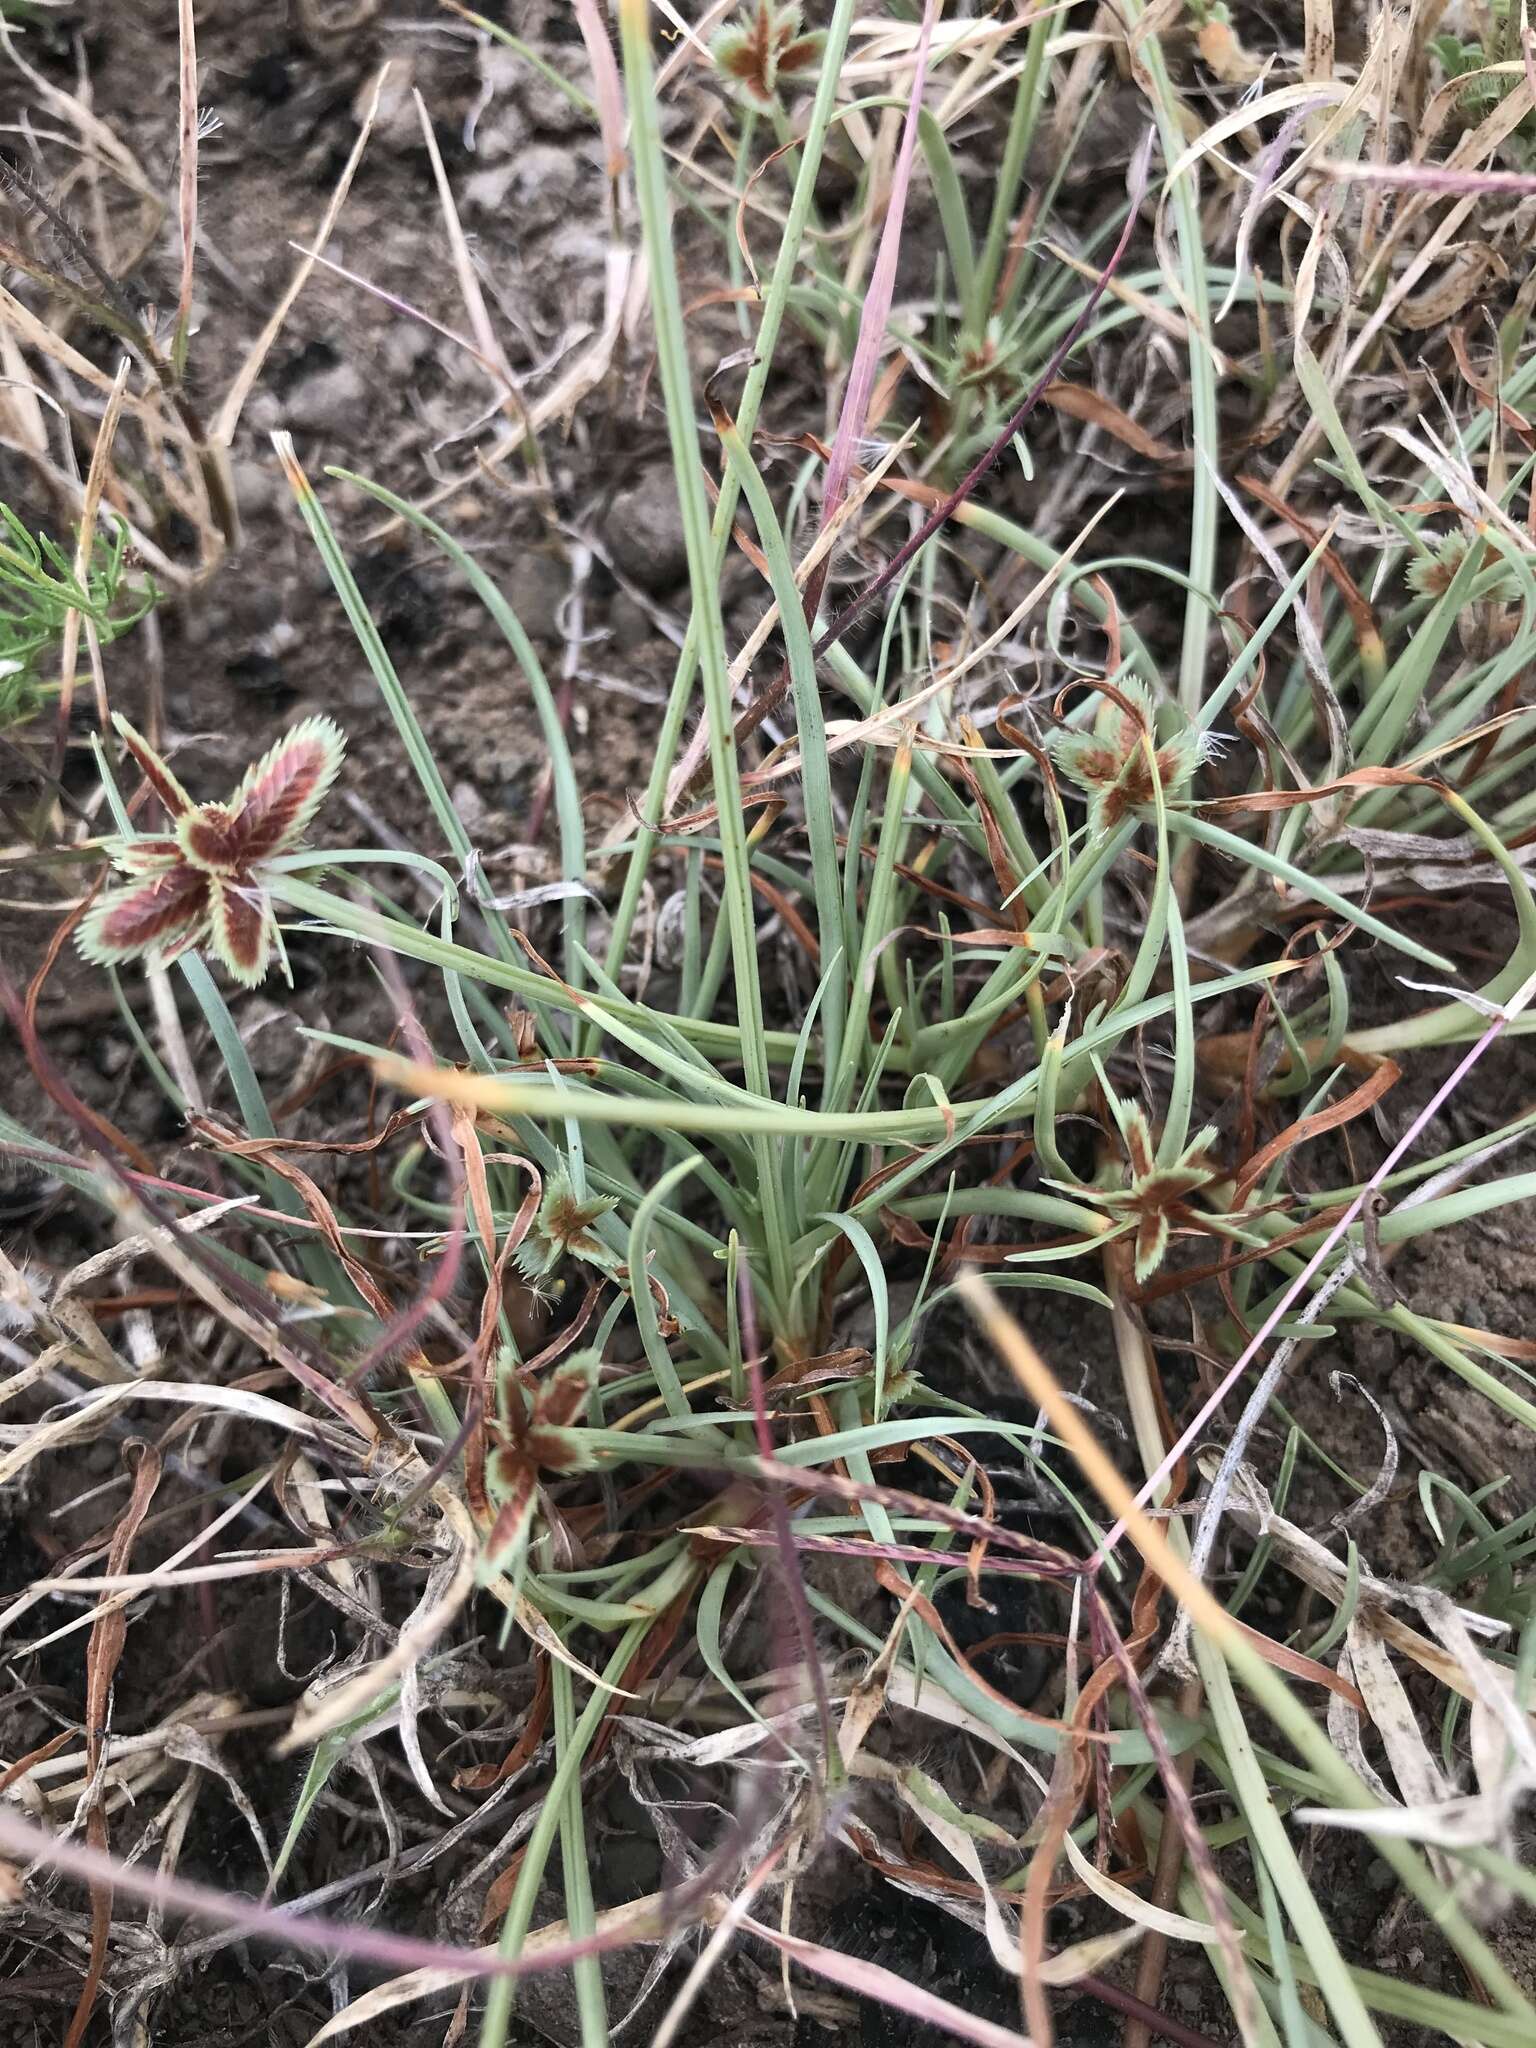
{"x":643,"y":526}
{"x":329,"y":402}
{"x":629,"y":625}
{"x":469,"y":804}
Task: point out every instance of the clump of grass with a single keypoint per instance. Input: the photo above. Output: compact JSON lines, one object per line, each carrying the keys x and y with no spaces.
{"x":987,"y":998}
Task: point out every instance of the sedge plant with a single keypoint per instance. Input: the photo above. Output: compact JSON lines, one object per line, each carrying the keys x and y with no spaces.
{"x":1059,"y":984}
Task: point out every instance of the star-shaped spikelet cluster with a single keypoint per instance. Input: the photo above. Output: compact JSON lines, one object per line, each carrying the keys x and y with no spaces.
{"x":201,"y":883}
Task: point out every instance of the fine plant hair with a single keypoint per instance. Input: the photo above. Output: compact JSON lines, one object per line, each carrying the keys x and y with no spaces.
{"x":53,"y":250}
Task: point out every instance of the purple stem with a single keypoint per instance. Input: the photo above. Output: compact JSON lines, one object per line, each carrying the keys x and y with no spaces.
{"x":973,"y":476}
{"x":873,"y":319}
{"x":274,"y":1923}
{"x":788,"y":1556}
